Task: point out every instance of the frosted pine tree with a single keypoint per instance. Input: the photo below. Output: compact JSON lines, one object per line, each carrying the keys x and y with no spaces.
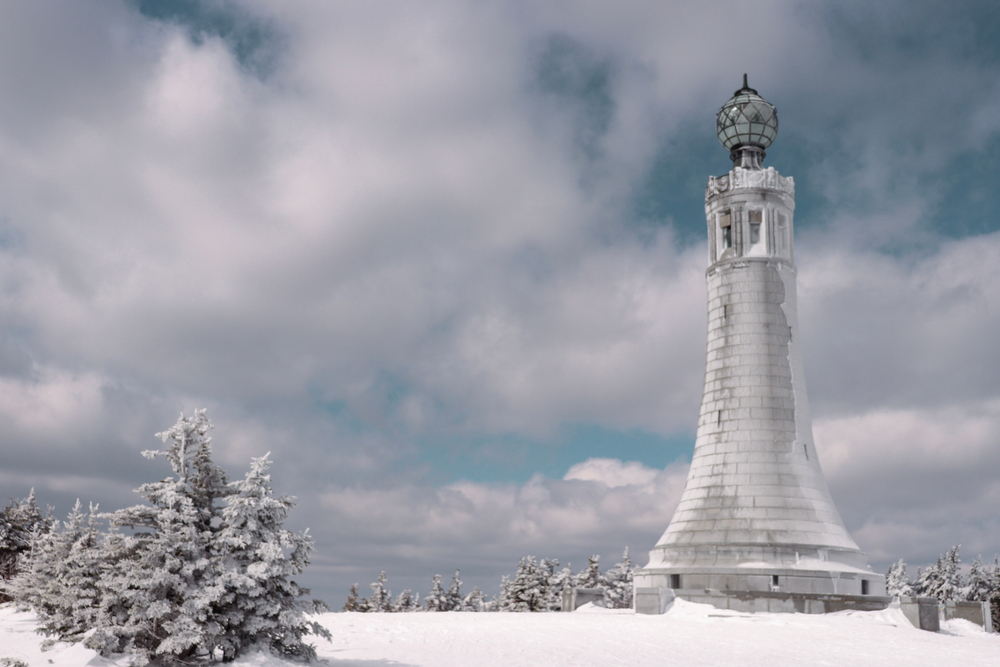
{"x":951,"y":581}
{"x":36,"y":569}
{"x":591,"y":577}
{"x":161,"y":585}
{"x":980,"y":585}
{"x":528,"y":588}
{"x":994,"y":595}
{"x":896,"y":581}
{"x":81,"y":575}
{"x":453,"y":596}
{"x":984,"y":585}
{"x":381,"y":598}
{"x":504,"y":601}
{"x":68,"y":598}
{"x":557,"y":582}
{"x":354,"y":601}
{"x":258,"y":557}
{"x":435,"y":600}
{"x":19,"y":521}
{"x":407,"y":602}
{"x":928,"y":581}
{"x":619,"y":584}
{"x":942,"y":580}
{"x":474,"y":601}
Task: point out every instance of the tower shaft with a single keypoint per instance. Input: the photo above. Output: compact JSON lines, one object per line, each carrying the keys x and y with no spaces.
{"x":756,"y":513}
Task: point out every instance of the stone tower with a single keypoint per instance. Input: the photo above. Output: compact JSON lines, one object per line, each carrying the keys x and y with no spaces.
{"x":756,"y":514}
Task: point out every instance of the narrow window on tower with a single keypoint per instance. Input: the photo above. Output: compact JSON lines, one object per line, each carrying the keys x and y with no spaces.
{"x":864,"y":587}
{"x":781,"y":241}
{"x":726,"y":226}
{"x":755,"y":220}
{"x":675,"y":581}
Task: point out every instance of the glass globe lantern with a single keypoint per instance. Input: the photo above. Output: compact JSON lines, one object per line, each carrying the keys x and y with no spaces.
{"x":746,"y":125}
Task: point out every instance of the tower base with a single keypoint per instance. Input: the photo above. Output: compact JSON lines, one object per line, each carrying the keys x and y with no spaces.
{"x":657,"y":601}
{"x":764,"y":568}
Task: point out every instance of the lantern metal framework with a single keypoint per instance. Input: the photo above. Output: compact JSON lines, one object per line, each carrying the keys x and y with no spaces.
{"x":746,"y":125}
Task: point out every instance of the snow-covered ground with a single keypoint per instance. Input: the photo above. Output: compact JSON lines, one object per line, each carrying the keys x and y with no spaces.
{"x":689,"y":634}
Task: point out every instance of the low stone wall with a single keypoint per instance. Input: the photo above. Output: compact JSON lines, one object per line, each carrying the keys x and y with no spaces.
{"x":574,"y":598}
{"x":651,"y":601}
{"x":923,"y":613}
{"x":976,"y":612}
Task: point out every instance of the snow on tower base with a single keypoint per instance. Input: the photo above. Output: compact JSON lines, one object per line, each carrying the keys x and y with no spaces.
{"x":756,"y":514}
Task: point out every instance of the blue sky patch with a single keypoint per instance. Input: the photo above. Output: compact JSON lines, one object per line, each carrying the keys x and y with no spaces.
{"x":253,"y":41}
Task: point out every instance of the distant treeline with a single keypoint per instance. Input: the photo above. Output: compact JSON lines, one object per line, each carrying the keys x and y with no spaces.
{"x":944,"y":581}
{"x":536,"y":586}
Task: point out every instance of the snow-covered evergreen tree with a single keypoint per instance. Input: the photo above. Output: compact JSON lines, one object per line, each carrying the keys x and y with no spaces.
{"x":980,"y":585}
{"x":36,"y":569}
{"x":81,"y":574}
{"x":381,"y":597}
{"x":185,"y":579}
{"x":354,"y":601}
{"x":258,"y":557}
{"x":166,"y":592}
{"x":435,"y":600}
{"x":407,"y":602}
{"x":557,"y":582}
{"x":591,"y":577}
{"x":994,"y":596}
{"x":942,"y":580}
{"x":504,"y":600}
{"x":928,"y":579}
{"x":984,"y":585}
{"x":952,"y":586}
{"x":896,"y":581}
{"x":474,"y":601}
{"x":528,"y":589}
{"x":618,"y":583}
{"x":68,"y":598}
{"x":19,"y":522}
{"x":453,"y":596}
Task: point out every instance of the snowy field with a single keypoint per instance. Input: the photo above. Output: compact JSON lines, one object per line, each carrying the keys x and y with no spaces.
{"x":689,"y":635}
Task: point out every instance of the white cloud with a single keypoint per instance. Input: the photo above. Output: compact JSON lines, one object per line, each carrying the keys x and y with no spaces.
{"x":612,"y":472}
{"x":601,"y":506}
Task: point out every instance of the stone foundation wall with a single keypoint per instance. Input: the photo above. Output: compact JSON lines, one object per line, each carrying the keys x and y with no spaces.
{"x":923,"y":613}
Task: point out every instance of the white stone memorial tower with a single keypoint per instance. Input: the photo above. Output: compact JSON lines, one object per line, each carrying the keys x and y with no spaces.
{"x":756,"y":517}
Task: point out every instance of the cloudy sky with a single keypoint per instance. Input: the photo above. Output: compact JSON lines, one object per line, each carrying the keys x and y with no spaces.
{"x":445,"y":260}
